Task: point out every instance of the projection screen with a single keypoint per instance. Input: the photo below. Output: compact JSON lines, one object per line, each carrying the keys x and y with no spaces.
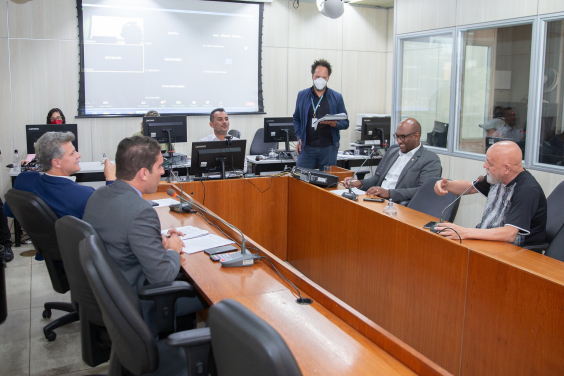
{"x":176,"y":57}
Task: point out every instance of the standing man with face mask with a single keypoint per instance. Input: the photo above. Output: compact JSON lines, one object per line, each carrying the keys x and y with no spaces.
{"x":318,"y":142}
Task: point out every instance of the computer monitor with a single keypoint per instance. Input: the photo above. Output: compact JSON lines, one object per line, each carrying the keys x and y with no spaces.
{"x":34,"y":132}
{"x":217,"y":156}
{"x":376,"y":129}
{"x":280,"y":129}
{"x":439,"y":135}
{"x":166,"y":129}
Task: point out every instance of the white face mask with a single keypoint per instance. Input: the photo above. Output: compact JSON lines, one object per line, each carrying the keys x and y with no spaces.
{"x":320,"y":83}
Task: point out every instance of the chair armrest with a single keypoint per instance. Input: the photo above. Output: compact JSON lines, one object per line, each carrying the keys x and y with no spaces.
{"x":165,"y":294}
{"x":190,"y":338}
{"x":197,"y":346}
{"x":178,"y":288}
{"x":539,"y":248}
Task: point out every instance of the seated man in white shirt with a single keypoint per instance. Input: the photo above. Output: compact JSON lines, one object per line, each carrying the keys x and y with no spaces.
{"x":404,"y":168}
{"x":219,"y":122}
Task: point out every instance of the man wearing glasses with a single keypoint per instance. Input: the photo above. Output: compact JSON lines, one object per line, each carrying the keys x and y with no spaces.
{"x":404,"y":168}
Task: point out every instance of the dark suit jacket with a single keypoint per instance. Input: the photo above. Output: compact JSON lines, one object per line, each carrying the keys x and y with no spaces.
{"x":131,"y":230}
{"x":424,"y":165}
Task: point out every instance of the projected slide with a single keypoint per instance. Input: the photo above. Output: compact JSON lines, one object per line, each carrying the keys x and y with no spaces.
{"x":188,"y":56}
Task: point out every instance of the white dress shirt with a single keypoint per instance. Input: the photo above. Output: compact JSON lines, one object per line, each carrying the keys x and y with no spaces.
{"x":213,"y":137}
{"x":393,"y":174}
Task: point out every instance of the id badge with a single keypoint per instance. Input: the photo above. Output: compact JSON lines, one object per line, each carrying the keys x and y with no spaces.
{"x":314,"y":122}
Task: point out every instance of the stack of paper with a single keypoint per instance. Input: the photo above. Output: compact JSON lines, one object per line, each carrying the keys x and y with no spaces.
{"x":340,"y":192}
{"x":166,"y":202}
{"x":338,"y":117}
{"x":189,"y":232}
{"x":204,"y":242}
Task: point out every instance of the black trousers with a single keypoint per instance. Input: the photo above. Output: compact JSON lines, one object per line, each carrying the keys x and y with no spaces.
{"x":5,"y":236}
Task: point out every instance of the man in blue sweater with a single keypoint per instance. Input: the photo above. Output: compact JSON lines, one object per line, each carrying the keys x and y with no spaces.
{"x":56,"y":153}
{"x":318,"y":142}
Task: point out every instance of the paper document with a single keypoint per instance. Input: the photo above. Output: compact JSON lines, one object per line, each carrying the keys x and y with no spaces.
{"x":204,"y":242}
{"x":340,"y":116}
{"x":315,"y":122}
{"x":339,"y":192}
{"x":189,"y":232}
{"x":166,"y":202}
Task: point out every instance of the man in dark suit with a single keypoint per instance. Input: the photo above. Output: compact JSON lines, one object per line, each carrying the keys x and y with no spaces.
{"x":130,"y":227}
{"x":404,"y":168}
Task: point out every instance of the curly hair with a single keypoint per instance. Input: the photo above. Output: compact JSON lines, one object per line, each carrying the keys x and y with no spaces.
{"x":322,"y":63}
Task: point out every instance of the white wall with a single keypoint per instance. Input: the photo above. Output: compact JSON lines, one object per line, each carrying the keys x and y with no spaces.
{"x":421,"y":15}
{"x":39,"y":67}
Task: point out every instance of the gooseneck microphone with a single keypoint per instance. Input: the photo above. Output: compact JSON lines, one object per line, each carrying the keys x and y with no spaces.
{"x":183,"y":205}
{"x":350,"y":194}
{"x":242,"y":258}
{"x":434,"y":224}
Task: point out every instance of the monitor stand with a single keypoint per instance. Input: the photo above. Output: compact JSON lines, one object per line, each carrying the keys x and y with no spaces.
{"x":222,"y":161}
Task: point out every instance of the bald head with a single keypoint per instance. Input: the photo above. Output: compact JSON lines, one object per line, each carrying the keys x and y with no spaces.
{"x":411,"y":129}
{"x":504,"y":161}
{"x":410,"y":125}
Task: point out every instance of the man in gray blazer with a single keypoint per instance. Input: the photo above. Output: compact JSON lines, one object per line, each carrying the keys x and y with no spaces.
{"x":129,"y":226}
{"x":404,"y":168}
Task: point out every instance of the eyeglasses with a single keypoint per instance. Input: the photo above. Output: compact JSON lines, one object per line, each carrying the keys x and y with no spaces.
{"x":56,"y":118}
{"x":402,"y":136}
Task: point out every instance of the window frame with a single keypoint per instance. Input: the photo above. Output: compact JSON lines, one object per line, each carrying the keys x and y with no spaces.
{"x":534,"y":163}
{"x":398,"y":71}
{"x":531,"y":20}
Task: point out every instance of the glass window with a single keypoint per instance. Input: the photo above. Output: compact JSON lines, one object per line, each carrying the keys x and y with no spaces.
{"x":551,"y":147}
{"x":495,"y":87}
{"x":425,"y":85}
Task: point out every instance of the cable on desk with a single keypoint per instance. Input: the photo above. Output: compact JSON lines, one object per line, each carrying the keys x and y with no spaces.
{"x":249,"y":180}
{"x":450,"y":228}
{"x":224,"y":234}
{"x":301,"y":300}
{"x":204,"y":200}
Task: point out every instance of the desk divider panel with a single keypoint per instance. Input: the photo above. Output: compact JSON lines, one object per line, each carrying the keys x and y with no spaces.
{"x":408,"y":281}
{"x":514,"y":317}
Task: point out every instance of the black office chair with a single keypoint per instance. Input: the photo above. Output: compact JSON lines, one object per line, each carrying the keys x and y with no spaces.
{"x":259,"y":147}
{"x":95,"y":341}
{"x":135,"y":350}
{"x":234,"y":133}
{"x":554,"y":240}
{"x":428,"y":202}
{"x":38,"y":220}
{"x":245,"y":345}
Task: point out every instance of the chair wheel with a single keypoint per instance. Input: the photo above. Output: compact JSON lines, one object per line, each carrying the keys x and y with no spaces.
{"x":51,"y":336}
{"x":47,"y":314}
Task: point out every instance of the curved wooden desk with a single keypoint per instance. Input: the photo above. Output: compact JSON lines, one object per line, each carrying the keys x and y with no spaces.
{"x":437,"y":306}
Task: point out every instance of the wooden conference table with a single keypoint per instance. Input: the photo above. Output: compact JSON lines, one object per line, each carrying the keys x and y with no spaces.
{"x":389,"y":296}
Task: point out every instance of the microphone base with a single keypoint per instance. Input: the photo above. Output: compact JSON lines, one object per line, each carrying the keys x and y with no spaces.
{"x":237,"y":259}
{"x":350,"y":195}
{"x":304,"y":301}
{"x":181,"y":208}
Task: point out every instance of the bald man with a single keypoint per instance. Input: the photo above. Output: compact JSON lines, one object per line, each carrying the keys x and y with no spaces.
{"x":515,"y":209}
{"x":404,"y":168}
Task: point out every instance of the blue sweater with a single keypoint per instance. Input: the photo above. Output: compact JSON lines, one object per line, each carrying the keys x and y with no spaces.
{"x":303,"y":103}
{"x":64,"y":196}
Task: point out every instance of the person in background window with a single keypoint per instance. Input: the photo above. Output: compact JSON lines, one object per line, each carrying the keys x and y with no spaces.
{"x":509,"y":130}
{"x":152,"y":113}
{"x":492,"y":127}
{"x":56,"y":116}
